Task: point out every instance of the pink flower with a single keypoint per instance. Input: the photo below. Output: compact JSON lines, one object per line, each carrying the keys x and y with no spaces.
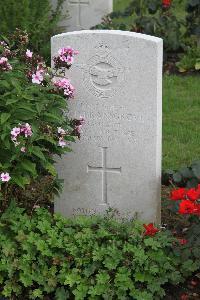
{"x":67,"y":50}
{"x":2,"y":43}
{"x":62,"y":143}
{"x":14,"y":133}
{"x":70,"y":60}
{"x":65,"y":85}
{"x":26,"y":130}
{"x":4,"y":65}
{"x":3,"y":60}
{"x":61,"y":131}
{"x":41,"y":68}
{"x":23,"y":149}
{"x":29,"y":54}
{"x":37,"y":77}
{"x":82,"y":120}
{"x":65,"y":58}
{"x":5,"y":177}
{"x":78,"y":129}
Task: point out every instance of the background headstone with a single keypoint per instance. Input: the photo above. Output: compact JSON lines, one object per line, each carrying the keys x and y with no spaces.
{"x":83,"y":14}
{"x":117,"y":162}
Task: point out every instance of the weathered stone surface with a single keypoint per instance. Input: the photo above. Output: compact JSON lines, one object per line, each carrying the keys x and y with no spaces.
{"x":117,"y":162}
{"x":83,"y":14}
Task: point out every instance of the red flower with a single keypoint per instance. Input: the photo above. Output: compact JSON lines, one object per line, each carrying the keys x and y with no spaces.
{"x":196,"y":209}
{"x":198,"y":190}
{"x":178,"y":194}
{"x":184,"y":297}
{"x":182,"y":241}
{"x":150,"y":229}
{"x":192,"y":194}
{"x":186,"y":207}
{"x":166,"y":3}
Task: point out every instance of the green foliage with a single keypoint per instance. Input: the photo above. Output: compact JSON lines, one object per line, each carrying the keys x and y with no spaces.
{"x":185,"y":176}
{"x":189,"y":253}
{"x":190,"y":61}
{"x":40,"y":106}
{"x":193,"y":17}
{"x":84,"y":258}
{"x":151,"y":18}
{"x":36,"y":17}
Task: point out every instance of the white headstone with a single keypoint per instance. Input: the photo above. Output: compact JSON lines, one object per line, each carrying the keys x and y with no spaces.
{"x":117,"y":162}
{"x":83,"y":14}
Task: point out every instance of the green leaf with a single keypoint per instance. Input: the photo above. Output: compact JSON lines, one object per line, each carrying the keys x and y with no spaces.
{"x":5,"y":84}
{"x":4,"y":117}
{"x":197,"y":66}
{"x":39,"y":107}
{"x":20,"y":180}
{"x":36,"y":150}
{"x":50,"y":168}
{"x":15,"y":84}
{"x":11,"y":101}
{"x":37,"y":294}
{"x":22,"y":114}
{"x":61,"y":294}
{"x":186,"y":172}
{"x":177,"y":177}
{"x":51,"y":118}
{"x":29,"y":166}
{"x":196,"y":170}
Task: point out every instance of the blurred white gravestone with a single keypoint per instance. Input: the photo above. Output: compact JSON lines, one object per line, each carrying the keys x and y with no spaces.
{"x":83,"y":14}
{"x":117,"y":162}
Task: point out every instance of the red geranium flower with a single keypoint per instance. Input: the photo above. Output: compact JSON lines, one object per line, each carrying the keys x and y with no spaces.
{"x":150,"y":229}
{"x":184,"y":297}
{"x":196,"y":209}
{"x":192,"y":194}
{"x":166,"y":3}
{"x":198,"y":190}
{"x":178,"y":194}
{"x":186,"y":207}
{"x":182,"y":241}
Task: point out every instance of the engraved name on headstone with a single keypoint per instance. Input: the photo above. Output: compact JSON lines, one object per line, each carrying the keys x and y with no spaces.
{"x":117,"y":162}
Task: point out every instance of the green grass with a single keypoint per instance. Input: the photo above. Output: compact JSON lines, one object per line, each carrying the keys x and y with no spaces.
{"x":181,"y":110}
{"x":181,"y":115}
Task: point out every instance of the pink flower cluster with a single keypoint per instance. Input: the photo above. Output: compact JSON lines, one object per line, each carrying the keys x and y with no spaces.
{"x":62,"y":133}
{"x":6,"y":51}
{"x":5,"y":177}
{"x":23,"y":130}
{"x":38,"y":76}
{"x":79,"y":125}
{"x":4,"y":65}
{"x":29,"y":54}
{"x":65,"y":58}
{"x":65,"y":86}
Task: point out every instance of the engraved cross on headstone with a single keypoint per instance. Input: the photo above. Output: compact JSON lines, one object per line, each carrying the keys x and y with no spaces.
{"x":79,"y":4}
{"x":104,"y":170}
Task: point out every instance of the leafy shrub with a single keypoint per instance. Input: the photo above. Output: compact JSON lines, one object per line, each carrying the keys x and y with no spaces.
{"x":151,"y":17}
{"x":50,"y":257}
{"x":36,"y":17}
{"x":186,"y":202}
{"x":33,"y":126}
{"x":190,"y":61}
{"x":185,"y":176}
{"x":193,"y":17}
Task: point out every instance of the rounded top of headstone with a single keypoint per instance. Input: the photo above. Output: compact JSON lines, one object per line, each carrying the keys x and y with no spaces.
{"x":112,"y":32}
